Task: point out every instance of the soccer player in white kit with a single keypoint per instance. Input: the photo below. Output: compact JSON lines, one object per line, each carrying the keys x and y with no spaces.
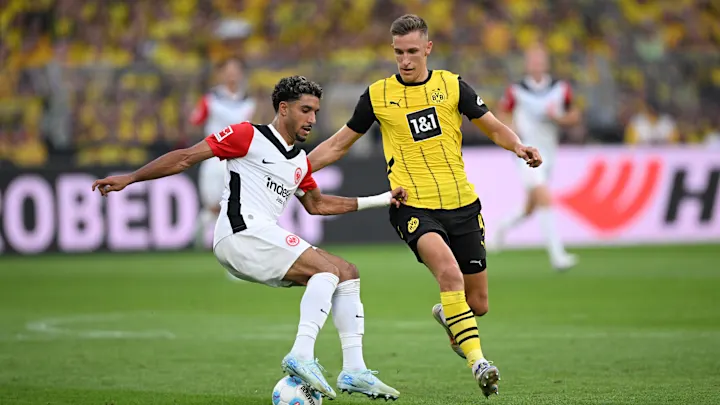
{"x":222,"y":106}
{"x":538,"y":106}
{"x":264,"y":169}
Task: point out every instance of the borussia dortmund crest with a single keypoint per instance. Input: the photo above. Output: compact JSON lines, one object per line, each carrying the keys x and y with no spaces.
{"x":437,"y":96}
{"x":413,"y":224}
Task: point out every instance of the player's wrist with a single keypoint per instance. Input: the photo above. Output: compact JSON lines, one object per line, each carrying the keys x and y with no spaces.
{"x":518,"y":147}
{"x":380,"y":200}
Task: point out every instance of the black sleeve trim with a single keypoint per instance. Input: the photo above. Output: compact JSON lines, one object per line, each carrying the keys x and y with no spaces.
{"x":364,"y":116}
{"x":470,"y":104}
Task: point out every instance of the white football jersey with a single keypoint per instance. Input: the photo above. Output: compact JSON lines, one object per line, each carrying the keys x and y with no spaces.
{"x":220,"y":108}
{"x":529,"y":102}
{"x":262,"y":173}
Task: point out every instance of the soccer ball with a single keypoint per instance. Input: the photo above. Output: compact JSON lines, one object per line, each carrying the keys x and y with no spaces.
{"x":292,"y":391}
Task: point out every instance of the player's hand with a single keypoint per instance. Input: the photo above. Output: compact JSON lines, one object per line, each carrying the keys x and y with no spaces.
{"x":399,"y":196}
{"x":529,"y":154}
{"x":112,"y":183}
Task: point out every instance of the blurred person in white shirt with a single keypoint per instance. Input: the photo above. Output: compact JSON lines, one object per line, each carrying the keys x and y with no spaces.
{"x":651,"y":127}
{"x":537,"y":108}
{"x":224,"y":105}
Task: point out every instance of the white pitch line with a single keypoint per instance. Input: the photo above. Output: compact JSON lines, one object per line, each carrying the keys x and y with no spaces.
{"x":59,"y":326}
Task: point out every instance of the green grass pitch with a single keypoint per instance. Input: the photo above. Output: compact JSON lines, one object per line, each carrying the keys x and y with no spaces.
{"x":627,"y":326}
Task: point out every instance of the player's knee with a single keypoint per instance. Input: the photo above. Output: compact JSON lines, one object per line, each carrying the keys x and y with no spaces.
{"x":330,"y":268}
{"x":450,"y":278}
{"x":541,"y":197}
{"x":349,"y":272}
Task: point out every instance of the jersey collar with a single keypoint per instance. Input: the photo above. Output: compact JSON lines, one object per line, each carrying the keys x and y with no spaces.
{"x":543,"y":84}
{"x":277,"y":140}
{"x":400,"y":80}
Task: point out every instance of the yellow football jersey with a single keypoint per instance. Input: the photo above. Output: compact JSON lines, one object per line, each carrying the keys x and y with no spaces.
{"x":420,"y":125}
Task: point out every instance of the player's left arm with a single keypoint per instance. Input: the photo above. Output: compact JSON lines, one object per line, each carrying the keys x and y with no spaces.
{"x":571,"y":115}
{"x":338,"y":145}
{"x":473,"y":107}
{"x":317,"y":203}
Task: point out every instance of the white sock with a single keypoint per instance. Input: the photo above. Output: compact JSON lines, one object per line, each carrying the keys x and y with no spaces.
{"x":314,"y":309}
{"x":553,"y":242}
{"x":349,"y":319}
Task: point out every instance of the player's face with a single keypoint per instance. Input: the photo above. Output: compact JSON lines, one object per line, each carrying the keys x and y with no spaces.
{"x":536,"y":62}
{"x":232,"y":73}
{"x":300,"y":116}
{"x":411,"y":52}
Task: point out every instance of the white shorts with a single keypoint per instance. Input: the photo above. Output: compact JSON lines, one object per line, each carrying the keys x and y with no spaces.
{"x":211,"y":182}
{"x":261,"y":255}
{"x":537,"y":176}
{"x":534,"y":176}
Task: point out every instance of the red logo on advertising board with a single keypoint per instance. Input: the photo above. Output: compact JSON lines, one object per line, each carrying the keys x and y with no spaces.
{"x":611,"y":210}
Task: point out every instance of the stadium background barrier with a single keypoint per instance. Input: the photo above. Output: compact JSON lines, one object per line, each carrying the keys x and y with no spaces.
{"x":604,"y":195}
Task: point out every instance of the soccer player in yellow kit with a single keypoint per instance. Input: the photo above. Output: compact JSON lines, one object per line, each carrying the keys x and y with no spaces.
{"x":420,"y":113}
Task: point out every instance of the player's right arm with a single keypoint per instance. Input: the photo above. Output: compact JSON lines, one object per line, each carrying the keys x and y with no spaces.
{"x":507,"y":105}
{"x":201,"y":111}
{"x":231,"y":142}
{"x":338,"y":145}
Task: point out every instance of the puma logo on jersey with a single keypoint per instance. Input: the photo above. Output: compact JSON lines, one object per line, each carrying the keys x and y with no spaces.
{"x":397,"y":103}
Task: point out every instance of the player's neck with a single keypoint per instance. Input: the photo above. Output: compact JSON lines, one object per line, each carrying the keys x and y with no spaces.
{"x":232,"y":88}
{"x":422,"y":77}
{"x":538,"y":77}
{"x":282,"y":131}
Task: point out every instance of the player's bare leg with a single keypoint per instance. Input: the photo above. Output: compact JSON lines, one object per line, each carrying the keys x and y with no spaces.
{"x":497,"y":242}
{"x":539,"y":201}
{"x":321,"y":278}
{"x":459,"y":317}
{"x":349,"y":318}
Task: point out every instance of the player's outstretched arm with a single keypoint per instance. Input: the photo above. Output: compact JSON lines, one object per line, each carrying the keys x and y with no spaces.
{"x":166,"y":165}
{"x":503,"y":136}
{"x":317,"y":203}
{"x":333,"y":148}
{"x":339,"y":144}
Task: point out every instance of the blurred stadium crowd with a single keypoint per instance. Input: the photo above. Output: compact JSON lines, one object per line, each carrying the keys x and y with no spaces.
{"x":114,"y":82}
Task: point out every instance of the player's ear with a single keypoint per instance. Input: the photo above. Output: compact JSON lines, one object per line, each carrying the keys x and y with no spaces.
{"x":428,"y":49}
{"x":283,"y":108}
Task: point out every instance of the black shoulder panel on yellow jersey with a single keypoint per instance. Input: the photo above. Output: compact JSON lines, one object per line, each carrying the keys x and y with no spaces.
{"x":364,"y":116}
{"x":470,"y":104}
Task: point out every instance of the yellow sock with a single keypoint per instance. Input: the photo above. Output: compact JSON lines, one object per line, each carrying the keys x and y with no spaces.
{"x":461,"y":321}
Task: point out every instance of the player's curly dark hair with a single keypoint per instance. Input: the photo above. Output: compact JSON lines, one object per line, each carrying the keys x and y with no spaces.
{"x":292,"y":88}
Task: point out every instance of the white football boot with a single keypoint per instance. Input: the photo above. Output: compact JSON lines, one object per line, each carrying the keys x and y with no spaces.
{"x":438,"y":315}
{"x":365,"y":382}
{"x":311,"y":372}
{"x":487,"y":377}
